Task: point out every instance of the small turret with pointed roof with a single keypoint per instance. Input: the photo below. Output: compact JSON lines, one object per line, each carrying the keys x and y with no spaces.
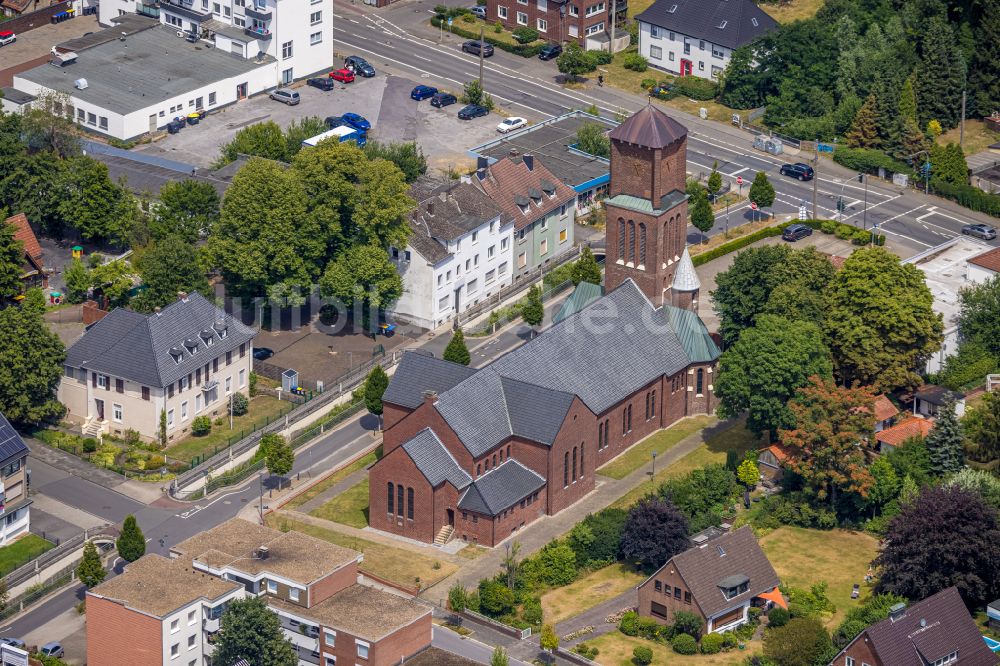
{"x":686,"y":285}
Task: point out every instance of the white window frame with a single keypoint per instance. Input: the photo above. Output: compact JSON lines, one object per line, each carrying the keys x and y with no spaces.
{"x":594,"y":29}
{"x":542,"y":25}
{"x":243,"y":377}
{"x":117,"y":413}
{"x":102,"y":381}
{"x":316,"y":38}
{"x":543,"y":247}
{"x":655,"y":52}
{"x":329,"y":637}
{"x":293,"y":594}
{"x":502,"y":12}
{"x":175,"y":625}
{"x":229,"y":385}
{"x":170,"y":418}
{"x":522,"y":18}
{"x":654,"y":31}
{"x":272,"y":586}
{"x":316,"y":18}
{"x":184,"y":411}
{"x":362,"y":645}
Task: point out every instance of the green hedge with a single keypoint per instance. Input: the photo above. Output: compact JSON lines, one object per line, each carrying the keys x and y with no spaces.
{"x":523,"y":50}
{"x":968,"y":196}
{"x":868,"y":160}
{"x":696,"y":87}
{"x":737,"y":244}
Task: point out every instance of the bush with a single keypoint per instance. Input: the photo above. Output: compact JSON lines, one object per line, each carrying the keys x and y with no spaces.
{"x":531,"y":611}
{"x":687,"y":623}
{"x":89,"y":445}
{"x":457,"y":598}
{"x":586,"y":651}
{"x":642,"y":655}
{"x":844,"y":231}
{"x":828,"y":226}
{"x":712,"y":643}
{"x":968,"y":196}
{"x":201,"y":426}
{"x":523,"y":50}
{"x":684,"y":644}
{"x":737,"y":244}
{"x":730,"y":640}
{"x":241,"y":404}
{"x":648,"y":628}
{"x":629,"y":624}
{"x":861,"y":237}
{"x":778,"y":617}
{"x":468,"y":18}
{"x":525,"y":35}
{"x":635,"y":62}
{"x":697,"y":88}
{"x":601,"y":57}
{"x":868,"y":160}
{"x":646,"y":84}
{"x":791,"y":509}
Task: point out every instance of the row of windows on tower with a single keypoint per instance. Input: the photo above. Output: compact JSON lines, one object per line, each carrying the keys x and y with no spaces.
{"x":628,"y":245}
{"x":394,"y":505}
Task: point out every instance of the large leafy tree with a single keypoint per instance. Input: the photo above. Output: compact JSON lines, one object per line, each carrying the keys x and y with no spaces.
{"x":982,"y":427}
{"x":984,"y":77}
{"x":947,"y":536}
{"x":831,"y":424}
{"x":742,"y":291}
{"x":250,"y":630}
{"x":979,"y":314}
{"x":11,"y":260}
{"x":362,"y":275}
{"x":655,"y":531}
{"x":980,"y":482}
{"x":532,"y":309}
{"x":885,"y":484}
{"x":944,"y":442}
{"x":187,"y":209}
{"x":802,"y":642}
{"x":702,"y":216}
{"x":261,"y":140}
{"x":801,"y":283}
{"x":761,"y":191}
{"x":131,"y":543}
{"x":880,"y":323}
{"x":940,"y":75}
{"x":586,"y":268}
{"x":169,"y":266}
{"x":761,"y":372}
{"x":31,"y":365}
{"x":593,"y":138}
{"x":948,"y":164}
{"x":93,"y":205}
{"x":263,"y":236}
{"x":574,"y":61}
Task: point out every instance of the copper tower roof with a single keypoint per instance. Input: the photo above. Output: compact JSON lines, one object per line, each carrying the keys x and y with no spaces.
{"x":650,"y":128}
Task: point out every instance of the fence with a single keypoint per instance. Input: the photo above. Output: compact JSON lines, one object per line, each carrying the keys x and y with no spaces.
{"x":346,"y":383}
{"x":574,"y":658}
{"x":519,"y":634}
{"x":31,"y":568}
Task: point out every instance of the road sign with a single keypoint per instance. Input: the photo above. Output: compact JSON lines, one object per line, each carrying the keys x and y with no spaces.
{"x":450,"y":21}
{"x":753,"y":206}
{"x":802,"y":212}
{"x":739,"y":180}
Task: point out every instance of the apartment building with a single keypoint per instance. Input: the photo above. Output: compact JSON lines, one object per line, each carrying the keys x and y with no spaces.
{"x":159,"y":611}
{"x":183,"y":361}
{"x":15,"y":507}
{"x":587,"y":22}
{"x":459,"y":253}
{"x":314,"y":588}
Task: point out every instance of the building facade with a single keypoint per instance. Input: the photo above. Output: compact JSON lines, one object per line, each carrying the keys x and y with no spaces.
{"x":698,"y":37}
{"x":459,"y":254}
{"x":541,"y":207}
{"x":15,"y":507}
{"x":184,"y":361}
{"x":586,"y":22}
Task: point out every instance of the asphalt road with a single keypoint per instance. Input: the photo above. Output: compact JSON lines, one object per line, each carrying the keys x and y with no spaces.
{"x":397,"y":39}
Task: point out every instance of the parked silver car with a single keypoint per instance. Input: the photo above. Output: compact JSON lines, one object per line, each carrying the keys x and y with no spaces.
{"x":289,"y":97}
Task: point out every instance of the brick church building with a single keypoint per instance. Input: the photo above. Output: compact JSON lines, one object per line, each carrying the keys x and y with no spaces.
{"x":478,"y":454}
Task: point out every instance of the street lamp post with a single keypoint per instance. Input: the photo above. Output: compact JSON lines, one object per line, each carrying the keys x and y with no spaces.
{"x":260,"y":506}
{"x":652,"y":473}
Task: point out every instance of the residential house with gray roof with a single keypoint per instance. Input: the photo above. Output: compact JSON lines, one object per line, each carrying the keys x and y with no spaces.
{"x":183,"y":361}
{"x":459,"y":253}
{"x":15,"y":507}
{"x":479,"y":454}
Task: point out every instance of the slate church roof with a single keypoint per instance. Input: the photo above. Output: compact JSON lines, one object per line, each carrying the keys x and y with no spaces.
{"x":500,"y":488}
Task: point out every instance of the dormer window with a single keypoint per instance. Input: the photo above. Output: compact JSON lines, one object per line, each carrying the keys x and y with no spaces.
{"x":221,"y":328}
{"x":208,"y":336}
{"x":733,"y":586}
{"x":177,"y":354}
{"x":523,"y":203}
{"x":673,"y":8}
{"x":192,"y":346}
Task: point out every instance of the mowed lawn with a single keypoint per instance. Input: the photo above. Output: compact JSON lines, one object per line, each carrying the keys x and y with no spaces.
{"x":404,"y":567}
{"x":803,"y":557}
{"x":263,"y":410}
{"x":22,"y":551}
{"x":348,"y":508}
{"x":712,"y":450}
{"x":616,"y":650}
{"x":332,"y":480}
{"x":642,"y":453}
{"x":595,"y":588}
{"x":787,"y":11}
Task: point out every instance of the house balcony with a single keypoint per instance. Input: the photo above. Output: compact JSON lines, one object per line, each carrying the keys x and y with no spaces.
{"x":185,"y":10}
{"x":257,"y":32}
{"x":210,"y":625}
{"x":259,"y":13}
{"x":152,"y":10}
{"x":308,"y":644}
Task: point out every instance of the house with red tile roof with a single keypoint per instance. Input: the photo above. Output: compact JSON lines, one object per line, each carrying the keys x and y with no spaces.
{"x":771,"y":462}
{"x":884,"y":412}
{"x":894,"y":436}
{"x":983,"y":266}
{"x":33,"y":268}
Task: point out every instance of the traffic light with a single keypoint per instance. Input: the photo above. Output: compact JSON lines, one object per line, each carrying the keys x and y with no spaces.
{"x":840,"y":204}
{"x":925,"y":170}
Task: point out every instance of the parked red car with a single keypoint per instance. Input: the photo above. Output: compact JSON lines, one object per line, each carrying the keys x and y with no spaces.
{"x":342,"y":75}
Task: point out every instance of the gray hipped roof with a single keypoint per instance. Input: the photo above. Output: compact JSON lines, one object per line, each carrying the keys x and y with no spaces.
{"x":729,"y":23}
{"x":156,"y":349}
{"x":417,"y":373}
{"x":11,"y":444}
{"x":501,"y":488}
{"x":434,"y":461}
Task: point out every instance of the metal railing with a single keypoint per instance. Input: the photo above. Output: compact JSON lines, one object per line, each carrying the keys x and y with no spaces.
{"x":32,"y":567}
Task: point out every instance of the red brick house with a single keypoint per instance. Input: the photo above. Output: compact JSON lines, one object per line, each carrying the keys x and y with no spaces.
{"x":587,"y":22}
{"x":718,"y":580}
{"x":478,"y":454}
{"x":33,"y":268}
{"x":935,"y":631}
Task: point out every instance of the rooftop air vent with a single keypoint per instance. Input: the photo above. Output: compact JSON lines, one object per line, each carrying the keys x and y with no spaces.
{"x":262,"y":553}
{"x":81,"y":84}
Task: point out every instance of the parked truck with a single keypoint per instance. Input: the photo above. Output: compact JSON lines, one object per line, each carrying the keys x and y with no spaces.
{"x":340,"y":134}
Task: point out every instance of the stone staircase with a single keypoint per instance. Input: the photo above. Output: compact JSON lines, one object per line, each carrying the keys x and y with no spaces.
{"x":444,"y":535}
{"x":93,"y":428}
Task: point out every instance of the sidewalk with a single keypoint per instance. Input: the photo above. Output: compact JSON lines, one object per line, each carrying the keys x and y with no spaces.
{"x":67,"y":462}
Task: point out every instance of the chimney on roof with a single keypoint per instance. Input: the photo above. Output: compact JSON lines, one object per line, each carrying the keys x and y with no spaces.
{"x":897,"y":612}
{"x":529,"y":161}
{"x":182,"y":296}
{"x":430,"y":397}
{"x":430,"y":208}
{"x":514,"y":152}
{"x":262,"y":553}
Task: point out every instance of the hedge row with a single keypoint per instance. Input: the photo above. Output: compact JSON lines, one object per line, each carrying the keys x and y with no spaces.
{"x":523,"y":50}
{"x":868,"y":160}
{"x":737,"y":244}
{"x":968,"y":196}
{"x":842,"y":231}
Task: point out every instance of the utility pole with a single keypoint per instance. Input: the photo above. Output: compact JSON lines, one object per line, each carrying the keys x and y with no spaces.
{"x":482,"y":47}
{"x":815,"y":180}
{"x":864,"y":216}
{"x":961,"y":125}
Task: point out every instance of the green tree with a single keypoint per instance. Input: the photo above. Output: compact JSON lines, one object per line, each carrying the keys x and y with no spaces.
{"x":162,"y":429}
{"x":642,"y":655}
{"x":549,"y":640}
{"x":908,"y":101}
{"x":593,"y":138}
{"x":260,"y":140}
{"x":743,"y":290}
{"x":761,"y":191}
{"x":714,"y":180}
{"x":473,"y":93}
{"x":944,"y":442}
{"x":880,"y":322}
{"x":763,"y":370}
{"x":886,"y":484}
{"x":263,"y":236}
{"x":364,"y":275}
{"x":131,"y":542}
{"x":874,"y":609}
{"x":864,"y":132}
{"x":532,"y":310}
{"x":586,"y":268}
{"x":748,"y":473}
{"x":499,"y":657}
{"x":169,"y":266}
{"x":114,"y":279}
{"x":11,"y":260}
{"x":300,"y":130}
{"x":802,"y":642}
{"x":456,"y":351}
{"x":407,"y":156}
{"x":250,"y":630}
{"x":90,"y":571}
{"x":979,"y":314}
{"x":741,"y":82}
{"x":31,"y":365}
{"x":187,"y":209}
{"x":984,"y":79}
{"x":702,"y":216}
{"x":940,"y":74}
{"x":47,"y":126}
{"x":375,"y":386}
{"x":980,"y":482}
{"x":77,"y":279}
{"x":948,"y":164}
{"x":495,"y":598}
{"x":93,"y":205}
{"x":278,"y":454}
{"x":830,"y":421}
{"x":574,"y":61}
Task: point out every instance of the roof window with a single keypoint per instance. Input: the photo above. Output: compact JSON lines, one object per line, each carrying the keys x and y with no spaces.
{"x":754,"y":21}
{"x":722,"y":26}
{"x":673,"y":8}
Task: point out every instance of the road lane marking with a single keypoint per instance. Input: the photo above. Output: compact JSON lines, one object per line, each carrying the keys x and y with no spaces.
{"x":736,"y":173}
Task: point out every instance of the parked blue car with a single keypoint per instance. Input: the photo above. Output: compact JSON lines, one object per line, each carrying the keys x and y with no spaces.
{"x":421,"y":93}
{"x":357,"y":121}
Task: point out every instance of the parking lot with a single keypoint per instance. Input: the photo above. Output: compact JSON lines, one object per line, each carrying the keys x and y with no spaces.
{"x":383,"y":99}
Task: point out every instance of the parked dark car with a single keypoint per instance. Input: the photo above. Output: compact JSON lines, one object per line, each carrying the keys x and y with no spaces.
{"x":984,"y":231}
{"x":335,"y":121}
{"x":262,"y":353}
{"x":360,"y":66}
{"x":323,"y":83}
{"x":473,"y":46}
{"x":443,"y":99}
{"x":549,"y":51}
{"x":797,"y":170}
{"x":421,"y":93}
{"x":794,"y":232}
{"x":472,"y":111}
{"x":357,"y":121}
